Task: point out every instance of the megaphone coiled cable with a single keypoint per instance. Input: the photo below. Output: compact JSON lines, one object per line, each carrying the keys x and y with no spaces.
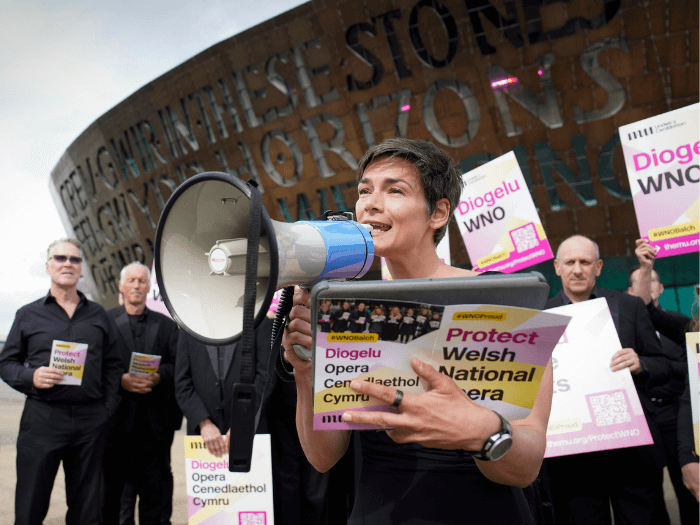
{"x":284,"y":307}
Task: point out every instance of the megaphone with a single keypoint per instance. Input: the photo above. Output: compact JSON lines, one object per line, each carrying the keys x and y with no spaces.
{"x":200,"y":255}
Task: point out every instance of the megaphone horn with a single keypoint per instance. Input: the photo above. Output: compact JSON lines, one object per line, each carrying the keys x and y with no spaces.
{"x":200,"y":255}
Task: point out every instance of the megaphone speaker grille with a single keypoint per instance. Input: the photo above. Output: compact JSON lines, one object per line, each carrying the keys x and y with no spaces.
{"x":205,"y":209}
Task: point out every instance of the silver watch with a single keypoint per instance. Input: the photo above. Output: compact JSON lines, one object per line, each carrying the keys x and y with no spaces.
{"x":498,"y":444}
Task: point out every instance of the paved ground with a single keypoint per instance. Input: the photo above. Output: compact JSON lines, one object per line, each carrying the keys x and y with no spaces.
{"x":11,"y":404}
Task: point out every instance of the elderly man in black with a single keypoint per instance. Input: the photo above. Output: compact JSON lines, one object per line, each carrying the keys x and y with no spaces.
{"x":139,"y":440}
{"x":61,"y":422}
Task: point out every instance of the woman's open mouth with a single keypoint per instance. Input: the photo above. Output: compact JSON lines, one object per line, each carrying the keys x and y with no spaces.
{"x":378,"y":228}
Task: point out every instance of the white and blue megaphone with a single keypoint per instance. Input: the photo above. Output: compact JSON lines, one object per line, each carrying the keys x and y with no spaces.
{"x":201,"y":250}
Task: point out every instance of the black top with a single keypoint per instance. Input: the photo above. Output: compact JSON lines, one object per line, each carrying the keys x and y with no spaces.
{"x":674,"y":325}
{"x":408,"y":483}
{"x":679,"y":371}
{"x":324,"y":319}
{"x":205,"y":376}
{"x":138,"y":331}
{"x":358,"y":320}
{"x":29,"y":342}
{"x":404,"y":484}
{"x":340,"y":324}
{"x":671,"y":324}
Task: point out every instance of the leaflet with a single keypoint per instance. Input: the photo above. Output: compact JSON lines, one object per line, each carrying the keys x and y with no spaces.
{"x":216,"y":496}
{"x":692,"y":341}
{"x":69,"y":358}
{"x":496,"y":354}
{"x":145,"y":364}
{"x":593,"y":408}
{"x":662,"y":156}
{"x":498,"y":219}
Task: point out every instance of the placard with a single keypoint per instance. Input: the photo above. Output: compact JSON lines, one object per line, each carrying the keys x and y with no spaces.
{"x":216,"y":496}
{"x":662,"y":156}
{"x":692,"y":341}
{"x":593,"y":408}
{"x":496,"y":354}
{"x":69,"y":358}
{"x":498,"y":219}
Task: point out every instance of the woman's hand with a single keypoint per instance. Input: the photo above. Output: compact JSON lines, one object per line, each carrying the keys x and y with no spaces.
{"x":298,"y":331}
{"x":322,"y":449}
{"x":443,"y":417}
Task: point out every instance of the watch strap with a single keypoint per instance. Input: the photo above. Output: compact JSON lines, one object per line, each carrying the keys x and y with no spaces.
{"x":506,"y":431}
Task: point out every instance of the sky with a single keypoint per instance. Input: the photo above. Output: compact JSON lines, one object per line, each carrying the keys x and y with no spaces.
{"x":63,"y":65}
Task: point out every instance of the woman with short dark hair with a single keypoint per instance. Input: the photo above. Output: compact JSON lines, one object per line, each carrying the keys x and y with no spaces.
{"x":423,"y":471}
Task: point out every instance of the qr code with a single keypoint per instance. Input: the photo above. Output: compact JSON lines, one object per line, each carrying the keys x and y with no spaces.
{"x":609,"y":408}
{"x":252,"y":518}
{"x":525,"y":238}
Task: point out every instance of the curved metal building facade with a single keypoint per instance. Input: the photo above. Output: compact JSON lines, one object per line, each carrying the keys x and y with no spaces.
{"x":294,"y":102}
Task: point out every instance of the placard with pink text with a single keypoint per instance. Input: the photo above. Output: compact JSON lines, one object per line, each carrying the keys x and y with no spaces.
{"x":662,"y":156}
{"x":216,"y":496}
{"x":593,"y":408}
{"x":498,"y":220}
{"x":496,"y":354}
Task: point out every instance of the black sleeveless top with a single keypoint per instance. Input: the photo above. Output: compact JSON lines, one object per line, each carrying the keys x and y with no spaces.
{"x":408,"y":484}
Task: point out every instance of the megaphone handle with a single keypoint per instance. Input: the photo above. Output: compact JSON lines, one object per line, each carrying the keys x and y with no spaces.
{"x":303,"y":353}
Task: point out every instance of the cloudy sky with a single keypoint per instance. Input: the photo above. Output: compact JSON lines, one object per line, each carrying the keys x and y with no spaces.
{"x":63,"y":65}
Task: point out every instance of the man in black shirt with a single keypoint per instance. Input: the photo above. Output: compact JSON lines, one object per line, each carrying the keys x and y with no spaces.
{"x":139,"y":440}
{"x":61,"y":422}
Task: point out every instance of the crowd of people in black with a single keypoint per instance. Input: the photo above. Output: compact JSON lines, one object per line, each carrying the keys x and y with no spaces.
{"x":401,"y":322}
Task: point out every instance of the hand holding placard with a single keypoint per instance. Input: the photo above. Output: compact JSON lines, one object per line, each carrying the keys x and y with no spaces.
{"x":626,"y":358}
{"x":216,"y":444}
{"x":442,"y":417}
{"x":298,"y":330}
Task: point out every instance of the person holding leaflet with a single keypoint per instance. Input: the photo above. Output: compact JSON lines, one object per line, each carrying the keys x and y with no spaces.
{"x":377,"y":319}
{"x":341,"y":319}
{"x":141,"y":433}
{"x":358,"y":319}
{"x":61,"y":423}
{"x":425,"y":470}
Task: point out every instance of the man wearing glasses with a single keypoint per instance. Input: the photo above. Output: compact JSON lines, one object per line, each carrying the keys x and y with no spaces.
{"x":61,"y":421}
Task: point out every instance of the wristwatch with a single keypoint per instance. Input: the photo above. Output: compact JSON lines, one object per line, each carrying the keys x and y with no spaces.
{"x":498,"y":444}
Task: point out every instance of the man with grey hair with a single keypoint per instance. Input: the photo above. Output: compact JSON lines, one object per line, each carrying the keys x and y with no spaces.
{"x":584,"y":486}
{"x":62,"y":421}
{"x":139,"y":440}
